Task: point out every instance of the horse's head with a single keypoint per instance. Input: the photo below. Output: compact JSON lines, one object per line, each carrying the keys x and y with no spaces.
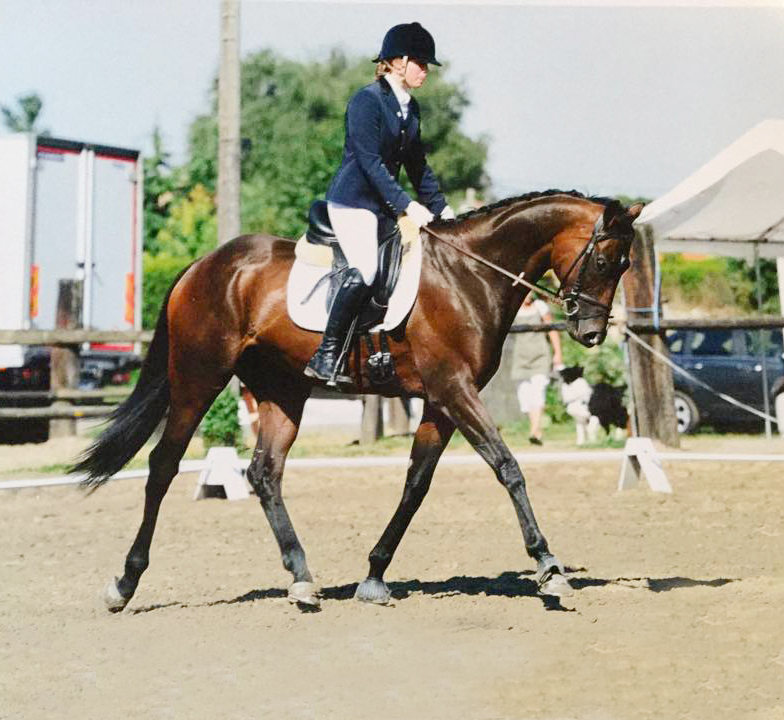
{"x":589,"y":261}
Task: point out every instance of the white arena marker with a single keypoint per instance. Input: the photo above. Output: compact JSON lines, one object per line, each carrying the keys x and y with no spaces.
{"x":222,"y":467}
{"x":640,"y":456}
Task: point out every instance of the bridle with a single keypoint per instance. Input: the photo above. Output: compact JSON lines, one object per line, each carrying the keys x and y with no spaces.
{"x":569,"y":299}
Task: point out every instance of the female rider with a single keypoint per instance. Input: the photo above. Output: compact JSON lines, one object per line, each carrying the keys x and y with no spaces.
{"x":382,"y":134}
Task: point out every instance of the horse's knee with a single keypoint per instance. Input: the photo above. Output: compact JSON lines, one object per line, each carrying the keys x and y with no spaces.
{"x":510,"y":476}
{"x":264,"y":481}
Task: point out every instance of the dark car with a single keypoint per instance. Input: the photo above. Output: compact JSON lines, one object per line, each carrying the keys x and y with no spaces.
{"x":730,"y":361}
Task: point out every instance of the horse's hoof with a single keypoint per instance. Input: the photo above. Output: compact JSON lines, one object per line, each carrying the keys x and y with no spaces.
{"x":304,"y":593}
{"x":112,"y":599}
{"x":373,"y":591}
{"x":552,"y":582}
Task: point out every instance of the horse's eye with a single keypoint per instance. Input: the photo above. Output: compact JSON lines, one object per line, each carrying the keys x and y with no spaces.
{"x":601,"y":263}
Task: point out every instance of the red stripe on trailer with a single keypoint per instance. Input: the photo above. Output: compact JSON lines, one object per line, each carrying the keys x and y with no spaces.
{"x":120,"y":158}
{"x":117,"y":347}
{"x":49,"y":150}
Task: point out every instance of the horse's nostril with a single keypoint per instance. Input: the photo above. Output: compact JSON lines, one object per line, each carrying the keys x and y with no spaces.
{"x":592,"y":338}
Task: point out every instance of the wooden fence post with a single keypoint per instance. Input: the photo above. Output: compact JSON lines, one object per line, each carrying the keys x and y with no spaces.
{"x":651,"y":380}
{"x":372,"y":428}
{"x":64,"y":360}
{"x":397,"y":416}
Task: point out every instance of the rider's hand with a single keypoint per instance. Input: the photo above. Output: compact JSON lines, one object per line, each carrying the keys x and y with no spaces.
{"x":447,"y":213}
{"x":418,"y":213}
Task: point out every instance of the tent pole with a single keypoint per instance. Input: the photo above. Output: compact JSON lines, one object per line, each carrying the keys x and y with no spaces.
{"x":780,"y":274}
{"x":763,"y":345}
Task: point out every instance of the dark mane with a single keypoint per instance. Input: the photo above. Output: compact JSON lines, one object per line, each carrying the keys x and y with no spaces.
{"x":487,"y":209}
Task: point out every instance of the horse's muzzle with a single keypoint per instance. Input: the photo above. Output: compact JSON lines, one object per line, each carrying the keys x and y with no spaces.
{"x":589,"y":331}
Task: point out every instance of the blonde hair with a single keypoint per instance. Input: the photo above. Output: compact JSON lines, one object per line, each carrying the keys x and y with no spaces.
{"x":382,"y":68}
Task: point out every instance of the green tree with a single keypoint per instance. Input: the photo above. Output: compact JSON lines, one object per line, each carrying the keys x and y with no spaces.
{"x":293,"y":119}
{"x":25,"y":118}
{"x":745,"y":277}
{"x":188,"y":231}
{"x":159,"y":190}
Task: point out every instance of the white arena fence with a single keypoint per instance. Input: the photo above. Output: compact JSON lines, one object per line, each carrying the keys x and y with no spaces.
{"x":525,"y":459}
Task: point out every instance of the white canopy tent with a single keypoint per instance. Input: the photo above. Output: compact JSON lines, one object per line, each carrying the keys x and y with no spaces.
{"x":730,"y":205}
{"x":733,"y":205}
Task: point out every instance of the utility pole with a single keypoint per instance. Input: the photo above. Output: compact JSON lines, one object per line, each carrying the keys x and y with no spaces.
{"x":229,"y":123}
{"x":229,"y":129}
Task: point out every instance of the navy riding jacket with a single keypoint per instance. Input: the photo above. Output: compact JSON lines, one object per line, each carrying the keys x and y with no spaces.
{"x":378,"y":143}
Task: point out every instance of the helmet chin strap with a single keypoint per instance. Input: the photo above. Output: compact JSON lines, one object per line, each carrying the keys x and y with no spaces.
{"x":405,"y":68}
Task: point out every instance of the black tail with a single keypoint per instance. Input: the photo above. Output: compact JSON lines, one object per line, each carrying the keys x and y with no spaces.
{"x":133,"y":422}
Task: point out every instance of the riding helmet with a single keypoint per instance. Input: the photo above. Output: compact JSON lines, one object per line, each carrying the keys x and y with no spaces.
{"x":409,"y":39}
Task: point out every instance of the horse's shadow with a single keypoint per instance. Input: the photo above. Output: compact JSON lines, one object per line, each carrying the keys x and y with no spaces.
{"x":511,"y":584}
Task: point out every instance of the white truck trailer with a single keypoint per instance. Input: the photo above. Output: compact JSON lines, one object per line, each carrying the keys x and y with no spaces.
{"x":68,"y":210}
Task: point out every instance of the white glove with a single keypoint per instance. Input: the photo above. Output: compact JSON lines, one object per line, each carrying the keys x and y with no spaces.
{"x":419,"y":214}
{"x":447,"y":213}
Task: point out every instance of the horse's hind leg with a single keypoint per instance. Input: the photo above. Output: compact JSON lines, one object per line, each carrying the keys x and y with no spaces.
{"x":185,"y":412}
{"x":430,"y":439}
{"x":279,"y":420}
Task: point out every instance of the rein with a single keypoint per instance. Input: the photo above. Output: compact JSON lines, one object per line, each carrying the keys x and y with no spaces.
{"x":569,"y":300}
{"x":518,"y":279}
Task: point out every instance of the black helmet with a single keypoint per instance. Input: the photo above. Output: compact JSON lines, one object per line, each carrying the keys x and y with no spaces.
{"x":408,"y":39}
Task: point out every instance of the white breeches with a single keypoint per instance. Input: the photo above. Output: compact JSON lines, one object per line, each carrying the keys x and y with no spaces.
{"x":357,"y":232}
{"x":531,"y":393}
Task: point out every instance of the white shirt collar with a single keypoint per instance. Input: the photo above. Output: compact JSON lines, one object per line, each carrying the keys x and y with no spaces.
{"x":402,"y":95}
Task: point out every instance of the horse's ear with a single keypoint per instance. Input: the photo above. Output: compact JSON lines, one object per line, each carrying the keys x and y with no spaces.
{"x":612,"y":211}
{"x":634,"y":211}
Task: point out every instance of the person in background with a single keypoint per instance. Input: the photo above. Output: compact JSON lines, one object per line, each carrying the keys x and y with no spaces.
{"x":532,"y":363}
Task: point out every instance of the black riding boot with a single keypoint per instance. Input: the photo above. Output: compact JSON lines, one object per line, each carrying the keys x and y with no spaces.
{"x":345,"y":307}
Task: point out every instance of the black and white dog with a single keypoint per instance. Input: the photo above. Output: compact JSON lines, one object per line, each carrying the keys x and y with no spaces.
{"x":592,"y":406}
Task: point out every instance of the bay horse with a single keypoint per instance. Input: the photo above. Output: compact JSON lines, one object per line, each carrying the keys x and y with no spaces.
{"x":226,"y":314}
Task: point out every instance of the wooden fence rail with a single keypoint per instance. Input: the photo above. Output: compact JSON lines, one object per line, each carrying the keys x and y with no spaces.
{"x":762,"y":322}
{"x":72,"y":337}
{"x":109,"y":397}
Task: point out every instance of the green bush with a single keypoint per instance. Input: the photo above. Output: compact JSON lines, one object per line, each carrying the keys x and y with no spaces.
{"x":159,"y":274}
{"x":604,"y":363}
{"x":553,"y":405}
{"x":221,"y":426}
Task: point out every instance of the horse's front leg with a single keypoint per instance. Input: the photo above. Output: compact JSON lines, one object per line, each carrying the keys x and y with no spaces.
{"x":473,"y":420}
{"x":430,"y":439}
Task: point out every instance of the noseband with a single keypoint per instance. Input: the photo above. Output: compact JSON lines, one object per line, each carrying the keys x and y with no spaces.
{"x":568,"y":300}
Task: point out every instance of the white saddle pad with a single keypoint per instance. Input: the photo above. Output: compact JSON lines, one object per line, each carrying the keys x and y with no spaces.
{"x":313,"y":262}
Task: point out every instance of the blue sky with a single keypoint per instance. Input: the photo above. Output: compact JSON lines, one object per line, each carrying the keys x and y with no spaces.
{"x":605,"y":98}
